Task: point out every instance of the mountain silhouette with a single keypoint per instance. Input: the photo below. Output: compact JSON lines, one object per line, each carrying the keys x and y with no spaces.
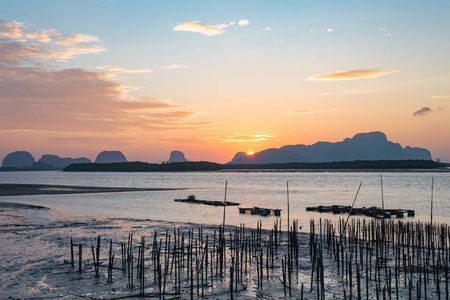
{"x":62,"y":162}
{"x":177,"y":156}
{"x":18,"y":159}
{"x":106,"y":157}
{"x":363,"y":146}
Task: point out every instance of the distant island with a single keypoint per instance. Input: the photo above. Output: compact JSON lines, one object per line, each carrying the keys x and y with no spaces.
{"x":107,"y":157}
{"x":370,"y":146}
{"x":177,"y":156}
{"x":24,"y":161}
{"x":364,"y":151}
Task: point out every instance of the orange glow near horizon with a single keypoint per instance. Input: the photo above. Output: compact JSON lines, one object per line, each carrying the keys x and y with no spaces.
{"x":212,"y":103}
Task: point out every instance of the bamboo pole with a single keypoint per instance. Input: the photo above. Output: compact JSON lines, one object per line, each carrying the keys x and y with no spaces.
{"x":224,"y":205}
{"x":345,"y":226}
{"x":432,"y":191}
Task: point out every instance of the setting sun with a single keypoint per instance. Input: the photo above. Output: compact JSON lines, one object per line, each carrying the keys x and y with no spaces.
{"x":250,"y":153}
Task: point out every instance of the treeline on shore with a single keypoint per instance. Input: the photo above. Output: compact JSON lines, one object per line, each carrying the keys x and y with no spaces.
{"x":137,"y":166}
{"x":209,"y":166}
{"x":356,"y":164}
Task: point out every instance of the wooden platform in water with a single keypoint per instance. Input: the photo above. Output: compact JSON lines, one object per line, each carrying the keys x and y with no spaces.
{"x":373,"y":211}
{"x":207,"y":202}
{"x":260,"y":211}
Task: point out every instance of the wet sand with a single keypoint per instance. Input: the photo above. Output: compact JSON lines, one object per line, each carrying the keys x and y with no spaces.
{"x":7,"y":189}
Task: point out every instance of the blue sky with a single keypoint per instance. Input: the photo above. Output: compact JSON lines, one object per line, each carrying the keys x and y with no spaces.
{"x":244,"y":75}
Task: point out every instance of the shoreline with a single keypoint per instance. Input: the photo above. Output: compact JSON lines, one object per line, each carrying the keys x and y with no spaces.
{"x":14,"y":189}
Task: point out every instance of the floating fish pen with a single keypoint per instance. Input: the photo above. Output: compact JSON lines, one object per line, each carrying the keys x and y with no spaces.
{"x":375,"y":212}
{"x":260,"y":211}
{"x":193,"y":199}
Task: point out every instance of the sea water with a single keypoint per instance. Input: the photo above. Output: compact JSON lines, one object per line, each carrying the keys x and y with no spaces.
{"x":407,"y":190}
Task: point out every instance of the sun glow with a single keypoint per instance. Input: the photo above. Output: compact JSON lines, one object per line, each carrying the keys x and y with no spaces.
{"x":250,"y":153}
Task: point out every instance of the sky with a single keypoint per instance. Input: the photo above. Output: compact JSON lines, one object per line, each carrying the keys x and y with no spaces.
{"x":213,"y":78}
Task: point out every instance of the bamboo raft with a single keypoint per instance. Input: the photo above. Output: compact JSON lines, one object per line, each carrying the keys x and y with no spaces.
{"x":375,"y":212}
{"x":193,"y":199}
{"x":260,"y":211}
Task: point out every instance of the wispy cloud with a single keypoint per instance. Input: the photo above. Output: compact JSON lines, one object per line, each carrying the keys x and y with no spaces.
{"x":352,"y":75}
{"x":117,"y":69}
{"x":243,"y":22}
{"x":182,"y":140}
{"x":240,"y":137}
{"x":75,"y":39}
{"x":384,"y":31}
{"x":440,"y":97}
{"x":95,"y":139}
{"x":76,"y":100}
{"x":114,"y":72}
{"x":330,"y":30}
{"x":197,"y":26}
{"x":209,"y":30}
{"x":43,"y":36}
{"x":305,"y":112}
{"x":86,"y":102}
{"x":176,"y":67}
{"x":359,"y":92}
{"x":18,"y":41}
{"x":356,"y":92}
{"x":300,"y":112}
{"x":147,"y":104}
{"x":422,"y":112}
{"x":11,"y":30}
{"x":267,"y":29}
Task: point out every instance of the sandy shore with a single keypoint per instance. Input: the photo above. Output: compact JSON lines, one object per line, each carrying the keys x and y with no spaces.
{"x":46,"y":189}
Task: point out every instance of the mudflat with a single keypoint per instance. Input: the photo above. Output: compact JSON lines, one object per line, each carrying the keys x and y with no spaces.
{"x":13,"y":189}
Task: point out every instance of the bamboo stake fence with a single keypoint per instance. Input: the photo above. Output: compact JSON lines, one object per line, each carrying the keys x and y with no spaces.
{"x":370,"y":259}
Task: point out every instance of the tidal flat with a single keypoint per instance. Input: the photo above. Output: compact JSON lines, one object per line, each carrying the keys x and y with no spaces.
{"x":47,"y":254}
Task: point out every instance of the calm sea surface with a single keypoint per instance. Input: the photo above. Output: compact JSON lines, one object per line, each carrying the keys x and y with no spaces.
{"x":409,"y":190}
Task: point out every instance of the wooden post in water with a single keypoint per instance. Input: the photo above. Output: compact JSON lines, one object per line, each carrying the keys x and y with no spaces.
{"x":142,"y":267}
{"x":289,"y":240}
{"x":80,"y":256}
{"x":322,"y":280}
{"x":345,"y":226}
{"x":287,"y":193}
{"x":432,"y":188}
{"x":224,"y":205}
{"x":97,"y":253}
{"x":231,"y":278}
{"x":222,"y":241}
{"x":71,"y":253}
{"x":382,"y":196}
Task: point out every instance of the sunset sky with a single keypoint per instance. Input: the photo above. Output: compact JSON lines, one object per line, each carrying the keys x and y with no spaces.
{"x":211,"y":78}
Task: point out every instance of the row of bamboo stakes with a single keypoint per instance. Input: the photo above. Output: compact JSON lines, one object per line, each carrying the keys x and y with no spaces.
{"x":371,"y":259}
